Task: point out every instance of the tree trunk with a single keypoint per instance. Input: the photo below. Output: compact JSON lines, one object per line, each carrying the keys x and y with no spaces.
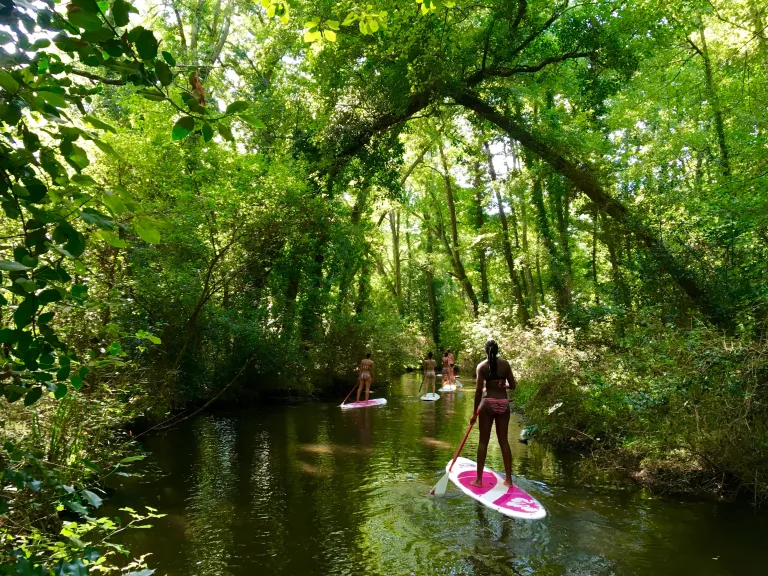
{"x":583,"y":176}
{"x":394,"y":226}
{"x":453,"y":247}
{"x":363,"y":286}
{"x":594,"y":255}
{"x":527,"y":275}
{"x":556,"y":274}
{"x":434,"y":311}
{"x":480,"y":252}
{"x":717,"y":112}
{"x":522,"y":309}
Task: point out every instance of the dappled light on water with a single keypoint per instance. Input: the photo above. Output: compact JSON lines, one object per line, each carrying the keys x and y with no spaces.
{"x":313,"y":490}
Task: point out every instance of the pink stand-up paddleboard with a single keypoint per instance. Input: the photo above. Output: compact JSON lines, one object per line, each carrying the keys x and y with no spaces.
{"x":493,"y":494}
{"x":364,"y":404}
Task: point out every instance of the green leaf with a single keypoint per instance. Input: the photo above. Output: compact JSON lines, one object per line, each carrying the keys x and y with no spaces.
{"x":112,"y":238}
{"x":96,"y":123}
{"x":207,"y":132}
{"x":163,"y":72}
{"x":332,"y":24}
{"x":7,"y":336}
{"x":27,"y":284}
{"x":11,"y":266}
{"x":91,"y":216}
{"x":61,"y":391}
{"x":154,"y":339}
{"x":89,"y":5}
{"x":135,"y":458}
{"x":85,"y":20}
{"x":76,"y":382}
{"x":147,"y":232}
{"x":168,"y":57}
{"x":236,"y":107}
{"x":79,"y":291}
{"x":106,"y":148}
{"x":53,"y":99}
{"x":225,"y":132}
{"x":146,"y":45}
{"x":252,"y":120}
{"x":183,"y":127}
{"x":49,"y":296}
{"x":114,"y":203}
{"x":92,"y":498}
{"x":120,"y":11}
{"x":153,"y":95}
{"x":7,"y":82}
{"x":33,"y":396}
{"x":77,"y":507}
{"x":329,"y":35}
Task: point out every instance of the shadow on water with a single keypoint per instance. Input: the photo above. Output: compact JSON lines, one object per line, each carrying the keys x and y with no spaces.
{"x":310,"y":489}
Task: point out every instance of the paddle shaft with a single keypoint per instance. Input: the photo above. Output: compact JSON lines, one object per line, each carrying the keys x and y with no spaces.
{"x":422,"y":382}
{"x":461,"y":446}
{"x":350,"y":393}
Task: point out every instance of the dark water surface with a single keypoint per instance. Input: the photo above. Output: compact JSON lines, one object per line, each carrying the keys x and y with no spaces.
{"x":311,"y":490}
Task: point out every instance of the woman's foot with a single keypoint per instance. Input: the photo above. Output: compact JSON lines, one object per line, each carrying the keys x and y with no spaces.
{"x":477,"y":483}
{"x":508,"y":483}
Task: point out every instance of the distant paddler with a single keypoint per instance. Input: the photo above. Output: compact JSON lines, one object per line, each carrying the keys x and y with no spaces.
{"x":447,"y":372}
{"x":452,"y":362}
{"x":493,"y":375}
{"x":365,"y":377}
{"x":429,"y":372}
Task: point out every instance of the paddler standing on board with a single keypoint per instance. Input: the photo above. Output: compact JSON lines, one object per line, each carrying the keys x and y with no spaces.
{"x":365,"y":378}
{"x":452,"y":362}
{"x":446,"y":368}
{"x":429,"y":372}
{"x":493,"y":374}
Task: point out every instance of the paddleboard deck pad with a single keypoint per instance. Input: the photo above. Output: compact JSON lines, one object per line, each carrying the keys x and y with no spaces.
{"x":430,"y":397}
{"x":510,"y":501}
{"x":364,"y":404}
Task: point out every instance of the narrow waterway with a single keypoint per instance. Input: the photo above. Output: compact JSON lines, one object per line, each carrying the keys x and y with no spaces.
{"x":309,"y":489}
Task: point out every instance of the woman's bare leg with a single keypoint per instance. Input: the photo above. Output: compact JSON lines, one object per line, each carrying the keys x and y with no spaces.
{"x":485,"y":423}
{"x":367,"y":388}
{"x":502,"y":434}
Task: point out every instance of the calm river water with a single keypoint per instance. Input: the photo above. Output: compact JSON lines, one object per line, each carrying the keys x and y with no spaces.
{"x":310,"y":490}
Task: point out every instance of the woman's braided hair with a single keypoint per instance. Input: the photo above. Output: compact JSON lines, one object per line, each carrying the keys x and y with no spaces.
{"x":492,"y":351}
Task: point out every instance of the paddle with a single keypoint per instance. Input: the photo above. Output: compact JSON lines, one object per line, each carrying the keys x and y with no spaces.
{"x":348,"y":395}
{"x":442,"y":484}
{"x":422,"y":382}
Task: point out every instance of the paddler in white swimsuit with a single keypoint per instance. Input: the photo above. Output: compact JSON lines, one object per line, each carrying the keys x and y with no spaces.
{"x":365,"y":377}
{"x":452,"y":362}
{"x":493,"y":374}
{"x":429,"y":372}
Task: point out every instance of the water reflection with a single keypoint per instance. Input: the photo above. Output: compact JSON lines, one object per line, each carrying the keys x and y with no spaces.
{"x":313,"y":490}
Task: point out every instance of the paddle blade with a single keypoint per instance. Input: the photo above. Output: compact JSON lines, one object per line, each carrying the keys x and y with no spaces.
{"x":441,"y":486}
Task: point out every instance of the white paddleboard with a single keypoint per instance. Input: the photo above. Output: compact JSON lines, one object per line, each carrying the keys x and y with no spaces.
{"x":430,"y":397}
{"x":364,"y":404}
{"x":511,"y":502}
{"x":448,"y":388}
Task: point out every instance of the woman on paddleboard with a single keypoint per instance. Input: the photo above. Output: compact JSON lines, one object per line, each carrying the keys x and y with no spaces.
{"x":365,"y":378}
{"x":446,"y":369}
{"x":493,"y":374}
{"x":429,"y":372}
{"x":451,"y":362}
